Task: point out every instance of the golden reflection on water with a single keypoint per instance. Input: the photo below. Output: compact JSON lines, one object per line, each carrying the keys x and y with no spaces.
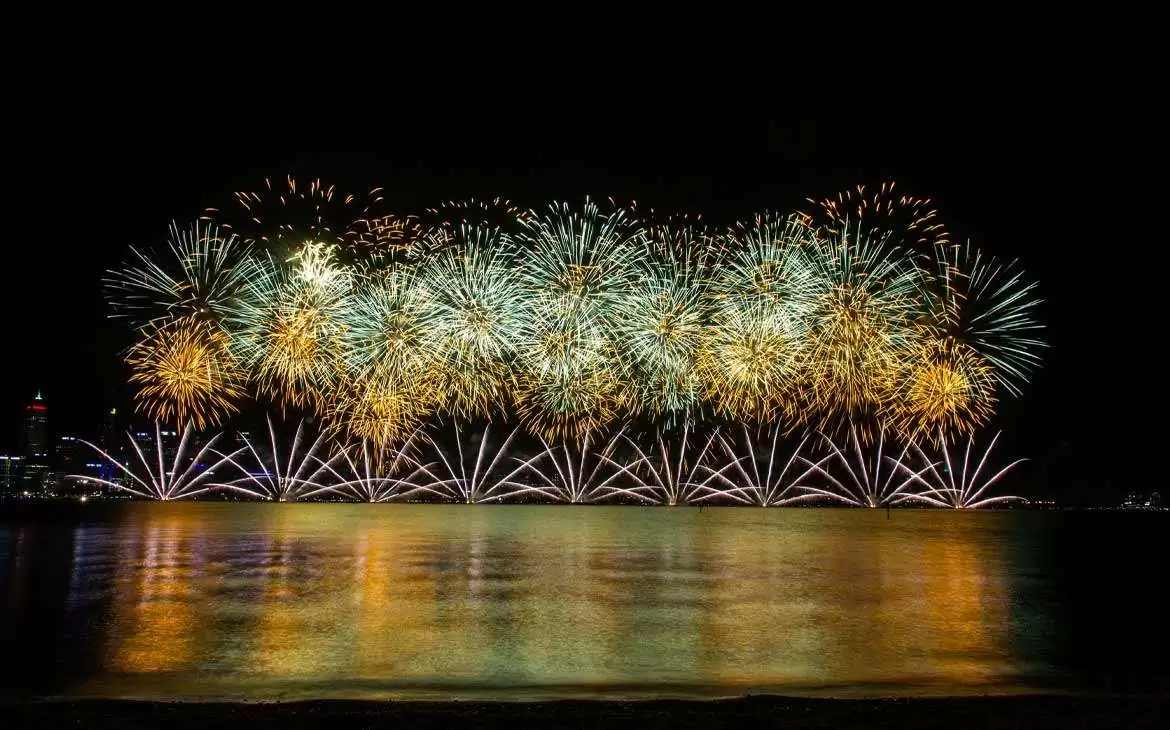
{"x":336,"y":600}
{"x":153,"y":627}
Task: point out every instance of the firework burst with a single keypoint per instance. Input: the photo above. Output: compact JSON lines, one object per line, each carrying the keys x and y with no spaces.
{"x":198,"y":276}
{"x":861,"y":319}
{"x":943,"y":388}
{"x":572,"y":379}
{"x":186,"y":373}
{"x":474,"y":320}
{"x":288,"y":324}
{"x":989,"y":306}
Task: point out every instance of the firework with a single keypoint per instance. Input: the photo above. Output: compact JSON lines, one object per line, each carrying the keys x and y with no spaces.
{"x":576,"y":271}
{"x":757,"y":477}
{"x":474,"y":319}
{"x":287,"y":324}
{"x":911,"y":221}
{"x":863,"y":485}
{"x":382,"y":409}
{"x":575,"y":476}
{"x":498,"y":214}
{"x":580,"y":319}
{"x":267,"y":476}
{"x":661,"y":324}
{"x":296,"y":212}
{"x":989,"y":306}
{"x":961,"y":490}
{"x":943,"y":388}
{"x":389,"y":375}
{"x":378,"y":474}
{"x":391,"y":240}
{"x":670,"y":473}
{"x":572,"y":378}
{"x":467,"y":476}
{"x":861,"y":319}
{"x":196,"y":277}
{"x":151,"y":476}
{"x":185,"y":373}
{"x":385,"y":328}
{"x":751,"y":363}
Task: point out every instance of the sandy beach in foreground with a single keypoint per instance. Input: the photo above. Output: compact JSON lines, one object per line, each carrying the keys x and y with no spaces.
{"x":1062,"y":712}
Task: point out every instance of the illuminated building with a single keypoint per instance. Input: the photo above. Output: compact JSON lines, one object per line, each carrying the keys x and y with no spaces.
{"x":36,"y":445}
{"x":36,"y":420}
{"x":10,"y":475}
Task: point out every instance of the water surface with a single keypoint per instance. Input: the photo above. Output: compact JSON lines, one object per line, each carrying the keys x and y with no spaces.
{"x":285,"y":601}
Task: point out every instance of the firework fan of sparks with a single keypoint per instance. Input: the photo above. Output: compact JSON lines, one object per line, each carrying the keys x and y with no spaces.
{"x":578,"y":318}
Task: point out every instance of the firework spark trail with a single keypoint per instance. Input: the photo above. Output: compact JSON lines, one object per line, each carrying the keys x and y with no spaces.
{"x":269,"y":478}
{"x":864,"y":486}
{"x":157,"y":480}
{"x":497,"y":214}
{"x":767,"y":488}
{"x":966,"y":492}
{"x":914,"y":221}
{"x":297,"y":211}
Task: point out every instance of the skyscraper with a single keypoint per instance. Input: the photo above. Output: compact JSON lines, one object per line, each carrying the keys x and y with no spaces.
{"x":36,"y":445}
{"x":36,"y":422}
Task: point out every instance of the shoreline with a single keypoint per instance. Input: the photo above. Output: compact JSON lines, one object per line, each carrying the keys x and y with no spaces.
{"x":955,"y":713}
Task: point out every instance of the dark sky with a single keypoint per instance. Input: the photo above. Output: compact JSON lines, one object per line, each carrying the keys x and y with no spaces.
{"x":1032,"y":140}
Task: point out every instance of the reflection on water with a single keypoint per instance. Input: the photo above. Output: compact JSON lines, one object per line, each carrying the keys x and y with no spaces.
{"x":268,"y":601}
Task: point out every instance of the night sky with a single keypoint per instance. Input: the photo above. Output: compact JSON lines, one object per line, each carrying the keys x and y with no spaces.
{"x":1031,"y":140}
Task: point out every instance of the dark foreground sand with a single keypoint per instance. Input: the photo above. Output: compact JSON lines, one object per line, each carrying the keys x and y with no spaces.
{"x":754,"y":712}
